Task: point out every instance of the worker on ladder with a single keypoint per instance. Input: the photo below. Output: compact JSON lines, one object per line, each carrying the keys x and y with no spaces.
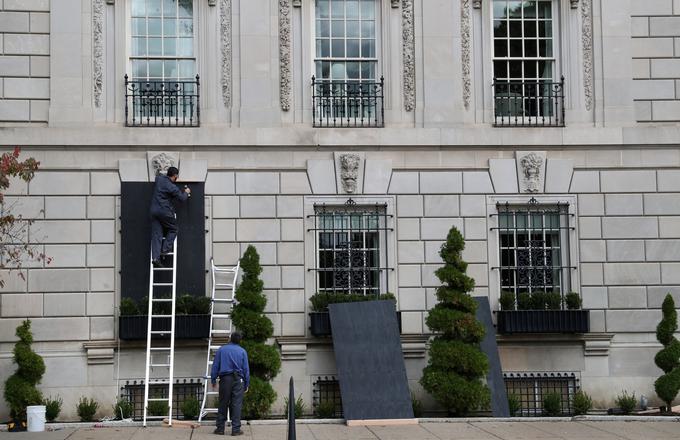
{"x":163,"y":222}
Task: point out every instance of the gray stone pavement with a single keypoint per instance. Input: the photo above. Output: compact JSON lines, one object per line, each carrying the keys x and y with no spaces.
{"x":458,"y":430}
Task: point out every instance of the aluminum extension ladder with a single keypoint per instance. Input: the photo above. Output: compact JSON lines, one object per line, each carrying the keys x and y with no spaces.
{"x":158,"y":294}
{"x":222,"y":296}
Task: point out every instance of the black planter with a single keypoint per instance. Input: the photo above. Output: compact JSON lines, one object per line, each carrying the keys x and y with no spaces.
{"x":132,"y":328}
{"x":320,"y":323}
{"x":543,"y":321}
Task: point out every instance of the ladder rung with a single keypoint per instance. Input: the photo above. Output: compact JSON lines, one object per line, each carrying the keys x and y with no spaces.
{"x":156,"y":417}
{"x":162,"y":268}
{"x":221,"y":316}
{"x":207,"y":410}
{"x":161,"y":299}
{"x":224,"y":284}
{"x":220,"y":331}
{"x":215,"y":347}
{"x":159,"y":348}
{"x":213,"y":392}
{"x":162,"y":284}
{"x":158,"y":399}
{"x":222,"y":300}
{"x":160,"y":332}
{"x":159,"y":365}
{"x":161,"y":316}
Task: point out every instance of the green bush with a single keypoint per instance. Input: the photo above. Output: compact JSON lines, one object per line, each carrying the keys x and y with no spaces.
{"x":553,"y":300}
{"x":191,"y":407}
{"x":537,"y":301}
{"x":325,"y":410}
{"x":320,"y":300}
{"x":20,"y":388}
{"x":123,"y":409}
{"x":514,"y":404}
{"x":128,"y":307}
{"x":507,"y":300}
{"x":523,"y":301}
{"x":582,"y":403}
{"x":626,"y":402}
{"x":668,"y":358}
{"x":298,"y":407}
{"x":52,"y":408}
{"x":573,"y":301}
{"x":552,"y":404}
{"x":184,"y":305}
{"x":258,"y":400}
{"x":264,"y":360}
{"x":158,"y":408}
{"x":417,"y":406}
{"x":456,"y":366}
{"x":87,"y":408}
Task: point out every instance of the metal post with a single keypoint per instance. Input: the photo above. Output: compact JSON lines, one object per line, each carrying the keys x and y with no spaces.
{"x":291,"y":411}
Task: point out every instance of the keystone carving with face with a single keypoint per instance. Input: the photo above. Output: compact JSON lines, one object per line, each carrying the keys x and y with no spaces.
{"x":161,"y":163}
{"x":531,"y":167}
{"x":349,"y":172}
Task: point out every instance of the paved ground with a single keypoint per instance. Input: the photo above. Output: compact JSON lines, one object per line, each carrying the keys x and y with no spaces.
{"x":544,"y":430}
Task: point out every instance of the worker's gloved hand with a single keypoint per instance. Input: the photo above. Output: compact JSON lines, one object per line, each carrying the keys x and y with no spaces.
{"x":187,"y":189}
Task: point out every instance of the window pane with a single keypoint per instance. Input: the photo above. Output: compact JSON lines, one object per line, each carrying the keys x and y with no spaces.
{"x":338,"y":28}
{"x":138,"y":26}
{"x":353,"y":29}
{"x":322,"y":9}
{"x":367,"y":29}
{"x":138,"y":8}
{"x":545,"y":69}
{"x":530,"y":69}
{"x":170,"y":46}
{"x":187,"y":69}
{"x":338,"y":48}
{"x":186,"y":27}
{"x":323,"y":28}
{"x":530,"y":29}
{"x":154,"y":26}
{"x":545,"y":9}
{"x":545,"y":48}
{"x":515,"y":28}
{"x":186,"y":47}
{"x":515,"y":9}
{"x":169,"y":27}
{"x":545,"y":28}
{"x":500,"y":69}
{"x":138,"y":69}
{"x":139,"y":46}
{"x":338,"y":71}
{"x":353,"y":50}
{"x":500,"y":48}
{"x":529,"y":9}
{"x":368,"y":48}
{"x":367,"y":9}
{"x":171,"y":69}
{"x":323,"y":48}
{"x":353,"y":70}
{"x":169,"y":8}
{"x":155,"y":69}
{"x":155,"y":46}
{"x":153,"y":8}
{"x":530,"y":48}
{"x":515,"y":69}
{"x":516,"y":48}
{"x":352,"y":9}
{"x":499,"y":9}
{"x":368,"y":70}
{"x":338,"y":8}
{"x":186,"y":8}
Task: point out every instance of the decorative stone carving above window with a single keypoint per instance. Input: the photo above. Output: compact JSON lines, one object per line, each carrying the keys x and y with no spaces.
{"x":531,"y":171}
{"x":160,"y":162}
{"x":349,"y":171}
{"x":477,"y":4}
{"x":297,"y":3}
{"x":574,"y":4}
{"x":395,"y":3}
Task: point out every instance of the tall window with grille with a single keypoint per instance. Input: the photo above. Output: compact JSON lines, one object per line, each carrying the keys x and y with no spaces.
{"x":346,"y":89}
{"x":534,"y":248}
{"x":526,"y":89}
{"x":351,"y":249}
{"x":163,"y":86}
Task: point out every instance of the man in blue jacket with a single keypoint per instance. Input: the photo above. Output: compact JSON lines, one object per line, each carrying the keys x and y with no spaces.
{"x":163,"y":222}
{"x":231,"y":366}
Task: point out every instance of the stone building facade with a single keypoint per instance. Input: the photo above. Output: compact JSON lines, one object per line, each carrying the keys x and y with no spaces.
{"x":437,"y":152}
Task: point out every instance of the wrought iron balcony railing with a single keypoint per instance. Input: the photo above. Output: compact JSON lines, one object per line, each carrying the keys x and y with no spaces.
{"x":151,"y":103}
{"x":528,"y":103}
{"x":348,"y":103}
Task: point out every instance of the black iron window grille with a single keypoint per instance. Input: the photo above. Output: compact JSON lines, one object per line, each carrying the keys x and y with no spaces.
{"x":534,"y":247}
{"x":351,"y":248}
{"x":531,"y":388}
{"x":348,"y":103}
{"x":162,"y":103}
{"x":183,"y":389}
{"x":326,"y":397}
{"x":528,"y":103}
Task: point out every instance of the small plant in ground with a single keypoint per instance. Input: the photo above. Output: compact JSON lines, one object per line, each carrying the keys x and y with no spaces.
{"x":553,"y":300}
{"x":417,"y":406}
{"x":87,"y":408}
{"x":299,"y":406}
{"x":552,"y":404}
{"x":668,"y":358}
{"x":20,"y":388}
{"x":514,"y":404}
{"x":626,"y":402}
{"x":158,"y":408}
{"x":190,"y":408}
{"x":325,"y":410}
{"x":573,"y":301}
{"x":582,"y":403}
{"x":507,"y":300}
{"x":52,"y":408}
{"x":123,"y":408}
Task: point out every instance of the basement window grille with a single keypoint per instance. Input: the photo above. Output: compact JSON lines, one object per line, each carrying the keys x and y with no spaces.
{"x":183,"y":389}
{"x":532,"y":387}
{"x":326,"y":398}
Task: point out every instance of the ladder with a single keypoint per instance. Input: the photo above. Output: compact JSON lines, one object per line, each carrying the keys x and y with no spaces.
{"x":163,"y":348}
{"x":222,"y":298}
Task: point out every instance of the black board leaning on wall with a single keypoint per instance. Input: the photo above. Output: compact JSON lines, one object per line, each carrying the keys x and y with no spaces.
{"x":136,"y":240}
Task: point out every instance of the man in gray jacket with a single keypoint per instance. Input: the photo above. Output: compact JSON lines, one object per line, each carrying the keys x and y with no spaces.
{"x":163,"y":222}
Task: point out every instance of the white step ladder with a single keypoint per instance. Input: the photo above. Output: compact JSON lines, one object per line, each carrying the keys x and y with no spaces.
{"x":155,"y":348}
{"x":222,"y":295}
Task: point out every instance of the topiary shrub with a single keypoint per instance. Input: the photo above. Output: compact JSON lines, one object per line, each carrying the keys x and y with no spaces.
{"x":190,"y":408}
{"x":552,"y":404}
{"x":668,"y":358}
{"x":20,"y":388}
{"x":553,"y":300}
{"x":158,"y":408}
{"x":507,"y":300}
{"x":456,"y":364}
{"x":582,"y":403}
{"x":52,"y":408}
{"x":87,"y":408}
{"x":573,"y":301}
{"x":248,"y":317}
{"x":523,"y":301}
{"x":537,"y":301}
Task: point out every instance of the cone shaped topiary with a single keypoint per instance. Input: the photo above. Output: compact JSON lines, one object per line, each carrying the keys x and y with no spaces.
{"x":668,"y":358}
{"x":256,"y":328}
{"x":456,"y":363}
{"x":20,"y":390}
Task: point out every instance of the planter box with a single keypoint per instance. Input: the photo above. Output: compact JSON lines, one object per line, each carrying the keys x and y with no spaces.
{"x":543,"y":321}
{"x":320,"y":323}
{"x":186,"y":327}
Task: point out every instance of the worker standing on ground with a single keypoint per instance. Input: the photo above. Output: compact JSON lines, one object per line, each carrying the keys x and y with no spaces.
{"x":163,"y":222}
{"x":231,"y":366}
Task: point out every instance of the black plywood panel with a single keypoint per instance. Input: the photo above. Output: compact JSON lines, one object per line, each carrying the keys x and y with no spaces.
{"x":136,"y":241}
{"x":370,"y":363}
{"x":494,"y":378}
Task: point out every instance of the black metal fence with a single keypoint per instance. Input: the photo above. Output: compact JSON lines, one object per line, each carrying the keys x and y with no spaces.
{"x":182,"y":389}
{"x":348,"y":103}
{"x":532,"y":387}
{"x":528,"y":103}
{"x":150,"y":103}
{"x":326,"y":398}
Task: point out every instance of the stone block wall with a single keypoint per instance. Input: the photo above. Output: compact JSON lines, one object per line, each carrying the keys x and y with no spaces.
{"x":25,"y":60}
{"x":655,"y":28}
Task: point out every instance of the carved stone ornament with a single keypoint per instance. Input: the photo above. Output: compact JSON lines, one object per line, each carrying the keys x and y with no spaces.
{"x":98,"y":51}
{"x":574,"y":4}
{"x":465,"y":27}
{"x":285,"y":74}
{"x":161,"y":162}
{"x":297,"y":3}
{"x":531,"y":171}
{"x":395,"y":3}
{"x":477,"y":4}
{"x":587,"y":45}
{"x":349,"y":172}
{"x":212,"y":2}
{"x":225,"y":50}
{"x":409,"y":54}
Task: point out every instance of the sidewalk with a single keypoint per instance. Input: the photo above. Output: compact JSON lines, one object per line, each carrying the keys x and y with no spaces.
{"x":456,"y":430}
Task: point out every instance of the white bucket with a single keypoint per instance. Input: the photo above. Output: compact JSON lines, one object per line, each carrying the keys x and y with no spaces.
{"x":36,"y":418}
